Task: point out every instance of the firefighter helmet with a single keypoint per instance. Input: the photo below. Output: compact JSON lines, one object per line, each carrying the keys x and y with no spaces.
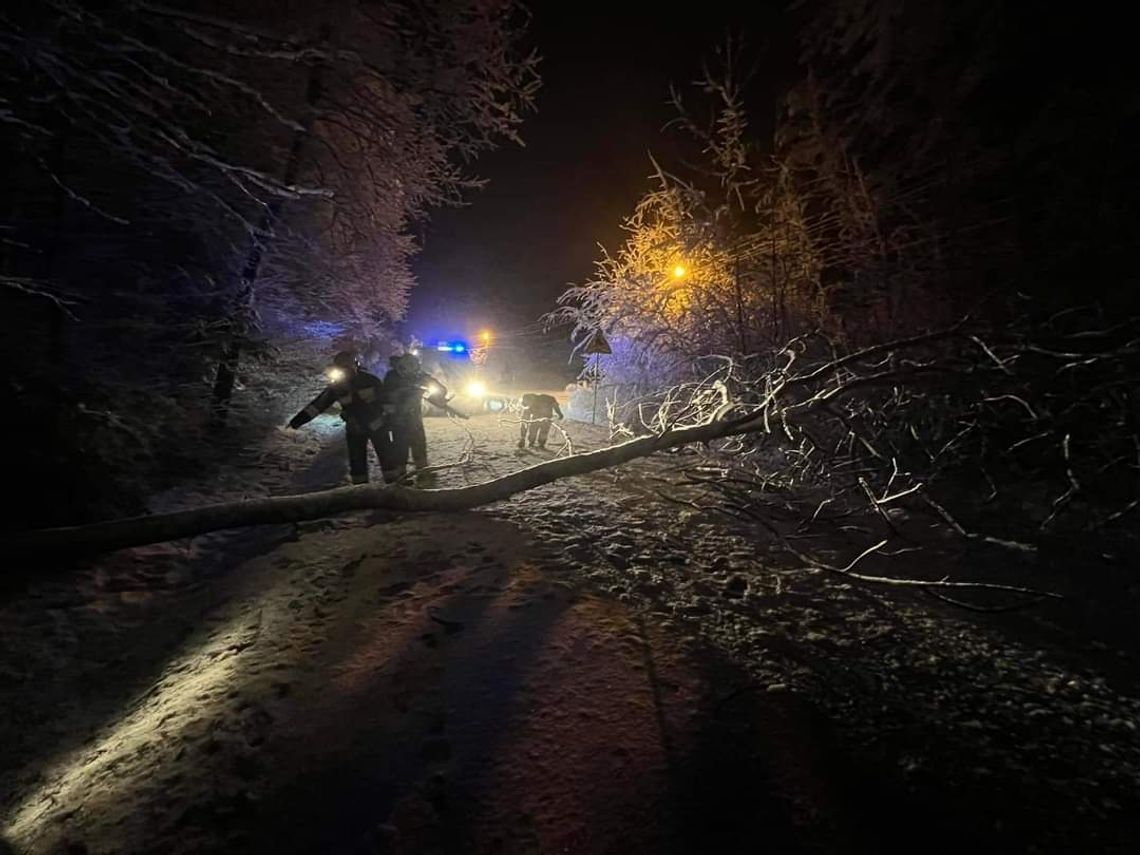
{"x":347,"y":360}
{"x":408,"y":363}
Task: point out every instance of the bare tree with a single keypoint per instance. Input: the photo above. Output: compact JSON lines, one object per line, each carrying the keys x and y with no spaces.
{"x":171,"y":166}
{"x":864,"y":445}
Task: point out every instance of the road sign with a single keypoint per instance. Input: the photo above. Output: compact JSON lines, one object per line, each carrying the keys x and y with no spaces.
{"x":597,"y":343}
{"x":596,"y":381}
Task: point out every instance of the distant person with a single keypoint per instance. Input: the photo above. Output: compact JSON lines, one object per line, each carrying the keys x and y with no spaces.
{"x":537,"y":411}
{"x":362,"y":407}
{"x":404,"y":385}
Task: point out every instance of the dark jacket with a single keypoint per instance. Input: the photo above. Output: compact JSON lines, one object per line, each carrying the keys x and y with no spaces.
{"x":362,"y":398}
{"x":406,"y":393}
{"x":540,"y":406}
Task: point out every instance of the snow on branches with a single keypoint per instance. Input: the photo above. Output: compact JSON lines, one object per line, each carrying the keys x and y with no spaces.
{"x":1004,"y":442}
{"x":178,"y":172}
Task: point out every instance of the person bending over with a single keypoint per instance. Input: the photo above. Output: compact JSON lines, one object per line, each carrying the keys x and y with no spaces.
{"x":537,"y":412}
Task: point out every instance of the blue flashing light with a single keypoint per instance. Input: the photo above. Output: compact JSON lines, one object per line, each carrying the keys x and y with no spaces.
{"x":451,"y":347}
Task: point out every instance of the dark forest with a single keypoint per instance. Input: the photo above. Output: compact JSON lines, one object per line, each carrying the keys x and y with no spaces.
{"x":472,"y":427}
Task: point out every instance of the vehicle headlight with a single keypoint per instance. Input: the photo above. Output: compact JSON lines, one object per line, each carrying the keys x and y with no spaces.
{"x":476,"y":389}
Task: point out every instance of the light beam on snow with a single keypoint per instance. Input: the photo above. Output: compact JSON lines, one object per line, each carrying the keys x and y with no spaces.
{"x":180,"y":697}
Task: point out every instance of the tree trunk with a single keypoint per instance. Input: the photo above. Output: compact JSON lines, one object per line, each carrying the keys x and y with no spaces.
{"x":158,"y":528}
{"x":242,"y":313}
{"x":137,"y":531}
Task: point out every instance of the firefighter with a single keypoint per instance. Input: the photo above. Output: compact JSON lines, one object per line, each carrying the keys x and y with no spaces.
{"x":537,"y":411}
{"x":404,"y":385}
{"x":362,"y":406}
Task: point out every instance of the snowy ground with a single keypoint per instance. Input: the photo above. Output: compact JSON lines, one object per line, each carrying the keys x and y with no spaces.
{"x":586,"y":668}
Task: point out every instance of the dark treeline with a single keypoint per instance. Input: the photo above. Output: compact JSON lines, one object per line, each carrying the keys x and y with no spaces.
{"x":195,"y":190}
{"x":930,"y":161}
{"x":963,"y":166}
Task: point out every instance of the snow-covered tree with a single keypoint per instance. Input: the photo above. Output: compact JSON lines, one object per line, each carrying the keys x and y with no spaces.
{"x":721,"y":256}
{"x":172,"y":167}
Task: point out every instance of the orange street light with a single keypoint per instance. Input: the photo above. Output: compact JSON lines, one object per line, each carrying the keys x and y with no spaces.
{"x":485,"y":336}
{"x":679,"y":271}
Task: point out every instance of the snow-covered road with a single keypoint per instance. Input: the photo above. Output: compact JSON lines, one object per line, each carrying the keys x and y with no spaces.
{"x":584,"y":668}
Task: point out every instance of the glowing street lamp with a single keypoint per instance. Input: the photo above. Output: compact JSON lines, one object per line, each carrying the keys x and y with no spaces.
{"x":679,"y":271}
{"x":485,"y":337}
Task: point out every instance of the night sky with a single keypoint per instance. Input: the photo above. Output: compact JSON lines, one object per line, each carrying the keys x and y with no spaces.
{"x":502,"y":260}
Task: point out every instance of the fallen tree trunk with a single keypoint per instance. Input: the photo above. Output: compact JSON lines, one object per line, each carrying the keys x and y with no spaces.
{"x":159,"y":528}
